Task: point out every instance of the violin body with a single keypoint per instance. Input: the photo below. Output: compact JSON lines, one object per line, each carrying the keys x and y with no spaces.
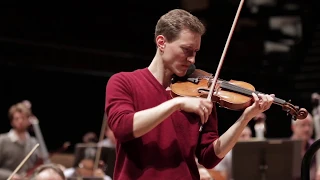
{"x":233,"y":95}
{"x":225,"y":98}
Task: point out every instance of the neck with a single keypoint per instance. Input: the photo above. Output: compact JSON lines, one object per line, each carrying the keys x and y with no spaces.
{"x":159,"y":71}
{"x":21,"y":134}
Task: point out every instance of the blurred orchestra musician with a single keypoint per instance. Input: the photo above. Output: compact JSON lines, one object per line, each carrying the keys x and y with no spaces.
{"x":48,"y":172}
{"x":315,"y":101}
{"x":17,"y":143}
{"x":260,"y":125}
{"x":225,"y":166}
{"x":110,"y":140}
{"x":91,"y":140}
{"x":90,"y":137}
{"x":303,"y":130}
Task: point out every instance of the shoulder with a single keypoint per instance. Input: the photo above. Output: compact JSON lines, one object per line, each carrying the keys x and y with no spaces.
{"x":126,"y":74}
{"x":126,"y":79}
{"x":4,"y":136}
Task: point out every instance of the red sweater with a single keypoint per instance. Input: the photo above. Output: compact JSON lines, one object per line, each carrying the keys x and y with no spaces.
{"x":166,"y":152}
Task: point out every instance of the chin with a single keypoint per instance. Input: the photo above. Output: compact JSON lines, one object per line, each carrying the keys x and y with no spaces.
{"x":181,"y":73}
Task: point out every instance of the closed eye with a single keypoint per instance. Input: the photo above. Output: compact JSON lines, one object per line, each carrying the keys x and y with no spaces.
{"x":188,"y":51}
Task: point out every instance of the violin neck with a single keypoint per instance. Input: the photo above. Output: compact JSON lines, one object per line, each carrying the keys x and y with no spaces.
{"x":247,"y":92}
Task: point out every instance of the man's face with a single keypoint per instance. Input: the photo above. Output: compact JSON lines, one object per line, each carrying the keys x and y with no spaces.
{"x":20,"y":122}
{"x":303,"y":129}
{"x":180,"y":54}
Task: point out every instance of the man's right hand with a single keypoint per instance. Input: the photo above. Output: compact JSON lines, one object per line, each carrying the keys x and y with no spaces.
{"x":200,"y":106}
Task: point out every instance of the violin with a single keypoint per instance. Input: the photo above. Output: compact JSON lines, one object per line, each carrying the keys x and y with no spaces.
{"x":233,"y":94}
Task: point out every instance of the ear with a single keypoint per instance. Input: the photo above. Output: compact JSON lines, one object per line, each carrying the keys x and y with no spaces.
{"x":161,"y":42}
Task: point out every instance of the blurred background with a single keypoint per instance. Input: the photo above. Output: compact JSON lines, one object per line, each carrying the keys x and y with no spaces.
{"x":60,"y":56}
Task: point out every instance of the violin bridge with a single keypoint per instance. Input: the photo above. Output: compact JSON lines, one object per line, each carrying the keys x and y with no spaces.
{"x":193,"y":80}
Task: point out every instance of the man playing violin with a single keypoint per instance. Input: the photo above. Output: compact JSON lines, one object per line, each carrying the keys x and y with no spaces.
{"x":158,"y":136}
{"x":17,"y":143}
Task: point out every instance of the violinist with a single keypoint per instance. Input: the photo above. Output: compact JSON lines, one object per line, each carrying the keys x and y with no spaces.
{"x":158,"y":136}
{"x":17,"y":143}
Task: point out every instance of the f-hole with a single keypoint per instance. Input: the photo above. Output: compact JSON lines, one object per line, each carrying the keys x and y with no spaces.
{"x":202,"y":90}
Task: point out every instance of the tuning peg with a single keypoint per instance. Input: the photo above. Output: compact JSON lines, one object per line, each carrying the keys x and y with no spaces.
{"x":288,"y":111}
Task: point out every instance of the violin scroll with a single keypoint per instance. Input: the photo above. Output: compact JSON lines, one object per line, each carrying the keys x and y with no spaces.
{"x":295,"y":111}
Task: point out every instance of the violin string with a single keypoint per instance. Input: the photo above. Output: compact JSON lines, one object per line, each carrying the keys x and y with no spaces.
{"x":245,"y":91}
{"x":248,"y":92}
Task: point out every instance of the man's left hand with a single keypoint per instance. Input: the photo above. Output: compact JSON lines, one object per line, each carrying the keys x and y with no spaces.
{"x":261,"y":103}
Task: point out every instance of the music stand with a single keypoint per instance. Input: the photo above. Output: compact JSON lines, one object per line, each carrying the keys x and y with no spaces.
{"x":108,"y":156}
{"x":277,"y":159}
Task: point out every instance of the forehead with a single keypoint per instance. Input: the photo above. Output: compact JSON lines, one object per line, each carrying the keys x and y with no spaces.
{"x":308,"y":120}
{"x":189,"y":39}
{"x":246,"y":131}
{"x":48,"y":174}
{"x":18,"y":113}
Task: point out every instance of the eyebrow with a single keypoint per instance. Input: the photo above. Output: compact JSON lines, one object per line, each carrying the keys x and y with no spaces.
{"x":190,"y":47}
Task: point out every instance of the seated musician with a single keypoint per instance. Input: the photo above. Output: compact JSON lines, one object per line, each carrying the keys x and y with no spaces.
{"x":110,"y":141}
{"x":303,"y":130}
{"x":89,"y":153}
{"x":17,"y":143}
{"x":48,"y":172}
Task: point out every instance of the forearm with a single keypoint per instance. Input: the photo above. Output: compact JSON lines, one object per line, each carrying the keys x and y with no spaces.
{"x":145,"y":120}
{"x":227,"y":141}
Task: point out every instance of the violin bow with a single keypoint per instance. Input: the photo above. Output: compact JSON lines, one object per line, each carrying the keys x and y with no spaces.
{"x":102,"y":132}
{"x":23,"y":161}
{"x":215,"y":77}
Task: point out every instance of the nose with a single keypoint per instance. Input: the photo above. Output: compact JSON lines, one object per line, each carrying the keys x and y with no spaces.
{"x":191,"y":59}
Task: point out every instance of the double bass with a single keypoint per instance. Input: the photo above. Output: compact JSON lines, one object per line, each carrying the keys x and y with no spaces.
{"x":232,"y":94}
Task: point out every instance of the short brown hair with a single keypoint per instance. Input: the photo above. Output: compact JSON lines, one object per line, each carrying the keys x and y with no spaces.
{"x":172,"y":23}
{"x":19,"y":107}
